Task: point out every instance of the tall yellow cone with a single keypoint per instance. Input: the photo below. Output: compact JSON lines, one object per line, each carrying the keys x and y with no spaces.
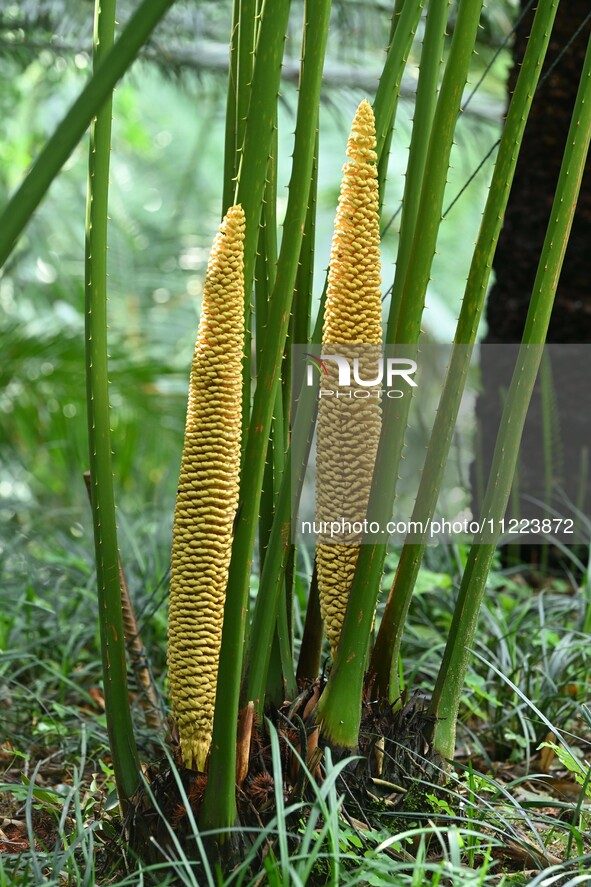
{"x":207,"y":496}
{"x":349,"y":428}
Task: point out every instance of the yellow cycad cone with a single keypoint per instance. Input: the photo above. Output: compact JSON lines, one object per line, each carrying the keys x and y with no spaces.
{"x":349,"y":427}
{"x":207,"y":496}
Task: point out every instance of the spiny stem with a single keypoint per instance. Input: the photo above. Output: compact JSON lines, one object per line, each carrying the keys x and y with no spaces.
{"x":119,"y":724}
{"x":450,"y":680}
{"x":384,"y":662}
{"x":339,"y":709}
{"x":148,"y":693}
{"x":219,"y":807}
{"x":426,"y":99}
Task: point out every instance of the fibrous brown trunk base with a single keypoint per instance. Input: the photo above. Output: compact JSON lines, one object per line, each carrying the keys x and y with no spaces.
{"x":394,"y":755}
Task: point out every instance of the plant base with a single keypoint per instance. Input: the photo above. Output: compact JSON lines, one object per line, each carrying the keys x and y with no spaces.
{"x":395,"y":758}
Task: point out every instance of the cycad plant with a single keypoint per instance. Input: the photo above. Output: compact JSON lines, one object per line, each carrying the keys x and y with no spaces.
{"x":246,"y":446}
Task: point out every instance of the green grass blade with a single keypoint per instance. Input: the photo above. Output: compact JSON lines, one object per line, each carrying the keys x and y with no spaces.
{"x":120,"y":728}
{"x":339,"y":709}
{"x":219,"y":804}
{"x":450,"y":680}
{"x":68,"y":133}
{"x":384,"y":662}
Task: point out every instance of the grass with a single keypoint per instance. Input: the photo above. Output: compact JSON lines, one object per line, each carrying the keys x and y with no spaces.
{"x":509,"y":808}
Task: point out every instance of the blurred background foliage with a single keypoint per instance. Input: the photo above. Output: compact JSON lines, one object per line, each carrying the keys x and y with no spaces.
{"x":166,"y":174}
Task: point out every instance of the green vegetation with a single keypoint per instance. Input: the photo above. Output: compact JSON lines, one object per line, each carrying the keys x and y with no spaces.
{"x":490,"y":820}
{"x":412,"y":760}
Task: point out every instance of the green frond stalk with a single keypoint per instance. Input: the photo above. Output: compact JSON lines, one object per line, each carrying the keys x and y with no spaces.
{"x":302,"y":298}
{"x":303,"y":427}
{"x":278,"y":549}
{"x":68,"y":133}
{"x":424,"y":110}
{"x":353,"y":316}
{"x":385,"y":157}
{"x":274,"y":569}
{"x":219,"y":808}
{"x":339,"y":708}
{"x":119,"y":724}
{"x":255,"y":148}
{"x":450,"y":680}
{"x":231,"y":129}
{"x":266,"y":263}
{"x":242,"y":51}
{"x":436,"y":166}
{"x":207,"y":496}
{"x":275,"y":461}
{"x":383,"y":669}
{"x":313,"y":634}
{"x":136,"y":651}
{"x":388,"y":91}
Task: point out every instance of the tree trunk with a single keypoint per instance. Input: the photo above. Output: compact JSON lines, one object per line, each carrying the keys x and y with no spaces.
{"x":531,"y":198}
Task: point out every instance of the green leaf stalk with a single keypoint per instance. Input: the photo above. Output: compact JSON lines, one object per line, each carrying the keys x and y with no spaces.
{"x":119,"y":725}
{"x":339,"y":708}
{"x":219,"y":809}
{"x":450,"y":680}
{"x":383,"y":669}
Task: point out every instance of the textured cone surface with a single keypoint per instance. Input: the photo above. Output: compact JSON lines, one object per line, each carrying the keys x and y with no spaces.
{"x":349,"y":427}
{"x":207,"y":496}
